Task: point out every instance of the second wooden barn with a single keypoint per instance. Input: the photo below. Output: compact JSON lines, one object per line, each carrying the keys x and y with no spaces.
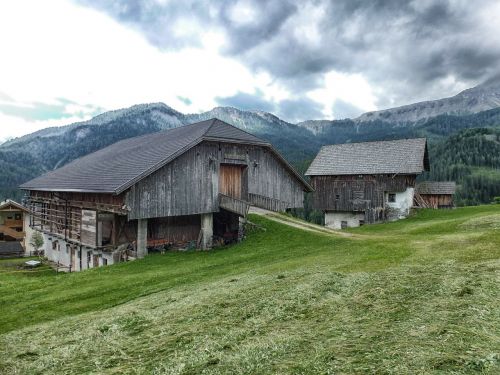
{"x":184,"y":187}
{"x":367,"y":182}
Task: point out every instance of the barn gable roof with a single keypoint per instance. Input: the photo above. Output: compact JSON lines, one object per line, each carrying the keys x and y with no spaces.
{"x":117,"y":167}
{"x":403,"y":156}
{"x":436,"y":187}
{"x":10,"y":203}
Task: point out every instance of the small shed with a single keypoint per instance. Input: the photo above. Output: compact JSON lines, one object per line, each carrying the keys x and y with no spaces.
{"x":13,"y":227}
{"x":435,"y":194}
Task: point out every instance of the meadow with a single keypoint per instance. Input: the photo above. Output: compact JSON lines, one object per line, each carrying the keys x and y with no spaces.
{"x":419,"y":295}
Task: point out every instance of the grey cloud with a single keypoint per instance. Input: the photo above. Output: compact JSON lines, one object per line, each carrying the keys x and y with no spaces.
{"x":404,"y":48}
{"x":185,"y":100}
{"x":43,"y":111}
{"x":37,"y":111}
{"x":342,"y":110}
{"x":246,"y":102}
{"x":291,"y":110}
{"x":300,"y":109}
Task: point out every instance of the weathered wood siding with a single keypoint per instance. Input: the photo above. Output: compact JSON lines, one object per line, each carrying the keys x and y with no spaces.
{"x":438,"y":200}
{"x":364,"y":193}
{"x":190,"y":184}
{"x":179,"y":229}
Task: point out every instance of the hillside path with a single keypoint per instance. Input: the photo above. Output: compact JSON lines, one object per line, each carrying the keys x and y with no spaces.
{"x":297,"y":223}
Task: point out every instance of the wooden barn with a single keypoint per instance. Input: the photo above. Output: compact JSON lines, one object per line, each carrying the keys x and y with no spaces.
{"x":358,"y":183}
{"x":186,"y":187}
{"x":435,"y":194}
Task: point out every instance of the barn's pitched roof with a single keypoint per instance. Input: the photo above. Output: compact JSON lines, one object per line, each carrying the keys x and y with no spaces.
{"x":10,"y":202}
{"x":403,"y":156}
{"x":117,"y":167}
{"x":436,"y":187}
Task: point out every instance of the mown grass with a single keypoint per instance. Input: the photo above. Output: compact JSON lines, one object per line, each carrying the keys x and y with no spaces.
{"x":415,"y":296}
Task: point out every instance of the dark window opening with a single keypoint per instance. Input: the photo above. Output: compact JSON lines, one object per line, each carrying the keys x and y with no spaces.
{"x":337,"y":196}
{"x":343,"y":224}
{"x":391,"y":198}
{"x":104,"y":262}
{"x":358,"y":194}
{"x":18,"y":217}
{"x":361,"y":223}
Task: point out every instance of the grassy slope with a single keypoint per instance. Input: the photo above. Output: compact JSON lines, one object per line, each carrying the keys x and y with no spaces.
{"x":419,"y":295}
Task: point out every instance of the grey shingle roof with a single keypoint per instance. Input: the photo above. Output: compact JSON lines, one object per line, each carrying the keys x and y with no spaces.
{"x":436,"y":187}
{"x":117,"y":167}
{"x":403,"y":156}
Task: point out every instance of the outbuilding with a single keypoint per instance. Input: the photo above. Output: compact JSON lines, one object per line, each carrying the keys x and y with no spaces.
{"x":435,"y":194}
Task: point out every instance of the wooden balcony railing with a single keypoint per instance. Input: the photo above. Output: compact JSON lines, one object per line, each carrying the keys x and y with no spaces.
{"x":234,"y":205}
{"x":268,"y":203}
{"x":13,"y":223}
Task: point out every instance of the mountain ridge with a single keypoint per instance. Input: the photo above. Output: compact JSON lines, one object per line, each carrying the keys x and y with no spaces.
{"x":28,"y":156}
{"x":473,"y":100}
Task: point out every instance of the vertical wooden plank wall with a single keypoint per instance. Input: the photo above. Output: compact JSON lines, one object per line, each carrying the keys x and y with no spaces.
{"x":190,"y":184}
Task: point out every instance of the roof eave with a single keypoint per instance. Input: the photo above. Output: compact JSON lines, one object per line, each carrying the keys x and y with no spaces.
{"x":67,"y":190}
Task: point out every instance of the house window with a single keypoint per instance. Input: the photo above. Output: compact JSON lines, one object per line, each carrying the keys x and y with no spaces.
{"x":361,"y":223}
{"x":337,"y":196}
{"x":18,"y":216}
{"x":391,"y":198}
{"x":54,"y":245}
{"x":104,"y":262}
{"x":343,"y":224}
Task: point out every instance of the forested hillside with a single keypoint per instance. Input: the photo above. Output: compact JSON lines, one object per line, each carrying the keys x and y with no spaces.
{"x":472,"y":159}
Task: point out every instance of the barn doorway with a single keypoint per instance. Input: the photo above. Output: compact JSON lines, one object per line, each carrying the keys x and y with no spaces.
{"x":231,"y":180}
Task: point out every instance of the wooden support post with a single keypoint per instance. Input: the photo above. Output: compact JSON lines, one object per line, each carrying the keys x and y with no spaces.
{"x":241,"y":228}
{"x":207,"y":230}
{"x":142,"y":238}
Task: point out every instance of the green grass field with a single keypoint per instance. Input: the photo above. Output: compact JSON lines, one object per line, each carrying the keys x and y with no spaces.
{"x":416,"y":296}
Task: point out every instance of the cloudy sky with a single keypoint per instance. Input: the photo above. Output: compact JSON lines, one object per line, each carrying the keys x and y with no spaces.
{"x":67,"y":60}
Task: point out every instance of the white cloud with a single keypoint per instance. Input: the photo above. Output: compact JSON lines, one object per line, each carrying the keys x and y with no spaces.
{"x":242,"y":13}
{"x":57,"y":49}
{"x":349,"y":88}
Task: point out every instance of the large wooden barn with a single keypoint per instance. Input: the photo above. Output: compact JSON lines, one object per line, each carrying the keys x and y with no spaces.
{"x":181,"y":188}
{"x":435,"y":194}
{"x":358,"y":183}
